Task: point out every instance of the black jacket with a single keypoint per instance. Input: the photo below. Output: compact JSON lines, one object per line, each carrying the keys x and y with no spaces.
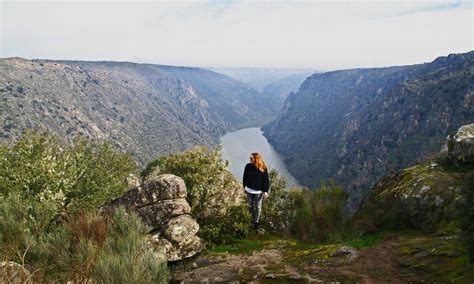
{"x":255,"y":179}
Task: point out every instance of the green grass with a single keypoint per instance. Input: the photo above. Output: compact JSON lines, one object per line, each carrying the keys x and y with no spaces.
{"x":364,"y":241}
{"x":245,"y":246}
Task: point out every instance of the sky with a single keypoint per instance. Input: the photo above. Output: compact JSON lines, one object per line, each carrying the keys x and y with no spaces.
{"x":322,"y":35}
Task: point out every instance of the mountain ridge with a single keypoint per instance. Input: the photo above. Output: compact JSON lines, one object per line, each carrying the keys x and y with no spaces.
{"x":356,"y":125}
{"x":141,"y":108}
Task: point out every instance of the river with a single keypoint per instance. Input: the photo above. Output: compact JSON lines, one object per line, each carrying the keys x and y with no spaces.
{"x":238,"y":145}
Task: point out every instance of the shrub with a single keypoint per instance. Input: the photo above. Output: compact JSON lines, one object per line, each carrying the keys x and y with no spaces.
{"x":317,"y":215}
{"x":73,"y":178}
{"x":22,"y":223}
{"x":227,"y":228}
{"x":126,"y":257}
{"x":48,"y":193}
{"x":210,"y":186}
{"x":274,"y":217}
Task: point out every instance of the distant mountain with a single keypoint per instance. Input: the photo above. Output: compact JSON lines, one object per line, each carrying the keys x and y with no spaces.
{"x":258,"y":78}
{"x":357,"y":125}
{"x":142,"y":108}
{"x":278,"y":91}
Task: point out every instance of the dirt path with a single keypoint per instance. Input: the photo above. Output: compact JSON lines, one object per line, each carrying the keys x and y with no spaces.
{"x":393,"y":259}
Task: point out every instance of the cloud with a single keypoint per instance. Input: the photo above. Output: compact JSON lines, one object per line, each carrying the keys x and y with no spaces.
{"x":313,"y":34}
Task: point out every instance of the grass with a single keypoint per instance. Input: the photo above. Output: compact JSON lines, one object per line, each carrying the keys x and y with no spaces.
{"x":245,"y":246}
{"x":364,"y":241}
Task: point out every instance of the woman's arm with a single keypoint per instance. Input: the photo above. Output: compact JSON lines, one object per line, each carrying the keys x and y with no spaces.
{"x":244,"y":178}
{"x":266,"y":181}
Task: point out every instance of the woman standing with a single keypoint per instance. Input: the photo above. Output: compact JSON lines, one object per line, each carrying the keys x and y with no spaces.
{"x":256,"y":185}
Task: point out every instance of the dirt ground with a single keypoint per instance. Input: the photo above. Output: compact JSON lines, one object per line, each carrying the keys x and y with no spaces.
{"x":393,"y":259}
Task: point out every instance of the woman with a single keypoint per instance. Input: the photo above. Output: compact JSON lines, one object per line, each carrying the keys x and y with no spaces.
{"x":256,"y":184}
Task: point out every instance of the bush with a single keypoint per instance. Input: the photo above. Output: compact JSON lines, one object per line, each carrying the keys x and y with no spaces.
{"x":209,"y":185}
{"x":73,"y":178}
{"x":82,"y":248}
{"x":274,"y":217}
{"x":233,"y":225}
{"x":22,"y":223}
{"x":317,"y":215}
{"x":48,"y":195}
{"x":126,"y":257}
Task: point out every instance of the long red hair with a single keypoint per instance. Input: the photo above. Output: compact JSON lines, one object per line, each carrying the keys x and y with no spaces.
{"x":258,"y":162}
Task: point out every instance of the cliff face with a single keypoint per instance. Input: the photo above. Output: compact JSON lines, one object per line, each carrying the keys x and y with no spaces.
{"x":357,"y":125}
{"x":145,"y":109}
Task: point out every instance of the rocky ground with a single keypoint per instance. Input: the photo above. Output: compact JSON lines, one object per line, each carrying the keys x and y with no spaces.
{"x":381,"y":258}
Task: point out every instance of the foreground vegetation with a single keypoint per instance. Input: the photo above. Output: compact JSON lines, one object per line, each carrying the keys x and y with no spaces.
{"x":49,"y":194}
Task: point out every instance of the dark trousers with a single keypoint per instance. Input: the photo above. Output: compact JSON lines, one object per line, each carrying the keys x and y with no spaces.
{"x":255,"y":205}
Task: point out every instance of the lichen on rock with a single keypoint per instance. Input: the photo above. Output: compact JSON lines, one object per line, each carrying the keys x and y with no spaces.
{"x":161,"y":204}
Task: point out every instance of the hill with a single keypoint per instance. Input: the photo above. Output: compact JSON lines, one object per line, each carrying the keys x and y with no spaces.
{"x":358,"y":125}
{"x":142,"y":108}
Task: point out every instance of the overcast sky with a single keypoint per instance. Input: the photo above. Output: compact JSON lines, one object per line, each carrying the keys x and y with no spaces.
{"x":287,"y":34}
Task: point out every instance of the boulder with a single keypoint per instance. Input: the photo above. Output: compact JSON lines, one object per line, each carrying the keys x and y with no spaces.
{"x":188,"y":247}
{"x":161,"y":203}
{"x":163,"y":187}
{"x":461,"y":146}
{"x":157,"y":214}
{"x":179,"y":228}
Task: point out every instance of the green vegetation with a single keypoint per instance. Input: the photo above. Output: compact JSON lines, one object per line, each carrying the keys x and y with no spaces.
{"x":226,"y":228}
{"x":244,"y":246}
{"x":203,"y":172}
{"x":364,"y":241}
{"x":216,"y":199}
{"x":466,"y":215}
{"x":49,"y":194}
{"x":72,"y":178}
{"x":317,"y":215}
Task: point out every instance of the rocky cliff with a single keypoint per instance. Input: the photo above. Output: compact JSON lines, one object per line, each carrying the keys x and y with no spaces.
{"x":428,"y":196}
{"x":144,"y":109}
{"x":357,"y":125}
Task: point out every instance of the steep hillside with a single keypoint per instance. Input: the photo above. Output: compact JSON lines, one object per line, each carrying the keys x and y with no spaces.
{"x":278,"y":91}
{"x":258,"y":78}
{"x":357,"y":125}
{"x":144,"y":109}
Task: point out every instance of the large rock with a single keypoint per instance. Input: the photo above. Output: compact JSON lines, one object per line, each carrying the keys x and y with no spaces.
{"x":424,"y":197}
{"x":161,"y":204}
{"x":179,"y":228}
{"x":157,"y":214}
{"x":461,"y":146}
{"x":188,"y":247}
{"x":163,"y":187}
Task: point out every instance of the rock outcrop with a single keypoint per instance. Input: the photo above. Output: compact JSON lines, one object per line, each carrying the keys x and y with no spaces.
{"x":461,"y":146}
{"x":161,"y":203}
{"x":424,"y":196}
